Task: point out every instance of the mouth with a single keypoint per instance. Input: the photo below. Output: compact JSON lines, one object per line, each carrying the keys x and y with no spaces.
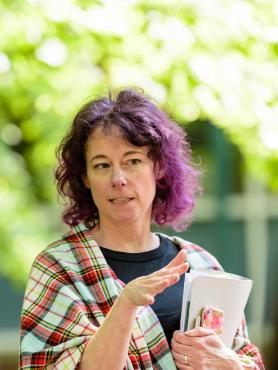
{"x":120,"y":200}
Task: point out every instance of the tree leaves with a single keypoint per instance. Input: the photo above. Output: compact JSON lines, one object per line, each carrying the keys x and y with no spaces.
{"x":214,"y":60}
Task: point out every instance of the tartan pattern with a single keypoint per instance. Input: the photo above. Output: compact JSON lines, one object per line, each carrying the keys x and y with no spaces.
{"x":68,"y":295}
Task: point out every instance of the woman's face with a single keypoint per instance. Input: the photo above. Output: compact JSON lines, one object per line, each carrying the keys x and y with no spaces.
{"x":120,"y":177}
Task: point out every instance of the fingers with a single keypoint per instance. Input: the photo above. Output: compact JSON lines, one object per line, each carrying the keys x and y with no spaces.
{"x":142,"y":291}
{"x":197,"y":340}
{"x":214,"y":354}
{"x":177,"y":265}
{"x":180,"y":361}
{"x":170,"y":277}
{"x":199,"y":332}
{"x":181,"y":341}
{"x":182,"y":268}
{"x":149,"y":299}
{"x":152,"y":289}
{"x":192,"y":337}
{"x":196,"y":332}
{"x":179,"y":270}
{"x":157,"y":285}
{"x":165,"y":282}
{"x":178,"y":260}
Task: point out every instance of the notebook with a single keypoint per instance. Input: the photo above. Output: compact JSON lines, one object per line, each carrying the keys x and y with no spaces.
{"x":222,"y":290}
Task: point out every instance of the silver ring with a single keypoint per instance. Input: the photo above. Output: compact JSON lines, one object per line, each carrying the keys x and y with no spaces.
{"x":185,"y":359}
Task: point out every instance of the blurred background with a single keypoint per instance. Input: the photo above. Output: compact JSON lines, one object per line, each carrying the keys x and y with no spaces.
{"x":212,"y":65}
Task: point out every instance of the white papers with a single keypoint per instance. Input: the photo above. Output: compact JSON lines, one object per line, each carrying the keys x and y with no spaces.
{"x":218,"y":289}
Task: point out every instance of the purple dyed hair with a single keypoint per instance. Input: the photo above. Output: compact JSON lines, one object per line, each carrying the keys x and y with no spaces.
{"x":141,"y":123}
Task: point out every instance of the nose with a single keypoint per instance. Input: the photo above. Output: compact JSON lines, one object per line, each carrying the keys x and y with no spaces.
{"x":118,"y":179}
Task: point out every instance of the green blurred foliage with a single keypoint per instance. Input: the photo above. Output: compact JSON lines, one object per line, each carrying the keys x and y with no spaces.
{"x":214,"y":60}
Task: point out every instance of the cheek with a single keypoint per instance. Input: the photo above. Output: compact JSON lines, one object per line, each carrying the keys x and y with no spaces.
{"x":98,"y":191}
{"x":153,"y":180}
{"x":148,"y":184}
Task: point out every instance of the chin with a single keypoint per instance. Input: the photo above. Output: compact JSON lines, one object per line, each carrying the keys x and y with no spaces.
{"x":127,"y":218}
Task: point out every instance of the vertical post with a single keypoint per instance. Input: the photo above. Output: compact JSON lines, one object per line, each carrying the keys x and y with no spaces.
{"x":256,"y":234}
{"x":223,"y":180}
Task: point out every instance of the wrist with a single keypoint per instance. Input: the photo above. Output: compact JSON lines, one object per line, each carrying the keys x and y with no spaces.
{"x":124,"y":302}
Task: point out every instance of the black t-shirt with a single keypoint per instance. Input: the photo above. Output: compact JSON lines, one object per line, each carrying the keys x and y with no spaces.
{"x":129,"y":266}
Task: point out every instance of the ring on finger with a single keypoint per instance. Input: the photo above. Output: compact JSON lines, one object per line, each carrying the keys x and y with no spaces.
{"x":186,"y":360}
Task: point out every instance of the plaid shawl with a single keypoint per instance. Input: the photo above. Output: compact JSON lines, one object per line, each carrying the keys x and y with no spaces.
{"x":69,"y":293}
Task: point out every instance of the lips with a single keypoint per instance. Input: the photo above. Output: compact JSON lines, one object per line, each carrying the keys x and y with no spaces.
{"x":119,"y":200}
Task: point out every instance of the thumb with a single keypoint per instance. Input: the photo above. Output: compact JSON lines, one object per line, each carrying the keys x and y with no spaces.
{"x":179,"y":259}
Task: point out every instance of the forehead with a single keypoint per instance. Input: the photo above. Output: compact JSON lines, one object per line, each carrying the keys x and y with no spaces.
{"x":100,"y":141}
{"x":99,"y":134}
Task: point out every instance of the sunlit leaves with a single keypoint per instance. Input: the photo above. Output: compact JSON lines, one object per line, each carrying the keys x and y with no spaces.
{"x":213,"y":59}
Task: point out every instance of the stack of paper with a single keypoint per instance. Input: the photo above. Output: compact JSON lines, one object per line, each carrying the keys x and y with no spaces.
{"x":222,"y":290}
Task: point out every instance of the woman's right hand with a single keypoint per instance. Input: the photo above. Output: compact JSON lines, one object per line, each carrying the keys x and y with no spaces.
{"x":142,"y":291}
{"x":108,"y":344}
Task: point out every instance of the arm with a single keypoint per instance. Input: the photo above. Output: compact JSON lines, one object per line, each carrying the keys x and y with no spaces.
{"x":108,"y":348}
{"x":57,"y":329}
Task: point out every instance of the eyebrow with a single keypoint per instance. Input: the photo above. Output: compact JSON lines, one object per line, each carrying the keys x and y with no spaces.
{"x":102,"y":156}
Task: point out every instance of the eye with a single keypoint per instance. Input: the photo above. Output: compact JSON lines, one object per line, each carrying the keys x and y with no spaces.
{"x":100,"y":166}
{"x":134,"y":161}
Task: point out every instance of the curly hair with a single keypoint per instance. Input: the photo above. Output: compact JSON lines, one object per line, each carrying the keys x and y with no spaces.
{"x":141,"y":123}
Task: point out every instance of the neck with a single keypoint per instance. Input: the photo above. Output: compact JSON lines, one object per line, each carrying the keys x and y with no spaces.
{"x":125,"y":238}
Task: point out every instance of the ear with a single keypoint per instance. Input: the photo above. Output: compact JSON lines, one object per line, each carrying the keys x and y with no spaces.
{"x":86,"y":181}
{"x":158,"y":172}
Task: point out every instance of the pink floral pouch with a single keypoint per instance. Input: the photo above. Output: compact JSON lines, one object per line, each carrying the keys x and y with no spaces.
{"x":212,"y":318}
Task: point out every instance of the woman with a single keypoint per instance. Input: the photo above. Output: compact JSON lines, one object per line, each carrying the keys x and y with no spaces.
{"x":108,"y":294}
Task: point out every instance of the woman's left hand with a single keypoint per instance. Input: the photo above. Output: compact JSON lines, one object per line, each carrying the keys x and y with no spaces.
{"x":202,"y":349}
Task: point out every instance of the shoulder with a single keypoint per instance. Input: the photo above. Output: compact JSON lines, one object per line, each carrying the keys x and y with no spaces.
{"x":197,"y":256}
{"x":73,"y":247}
